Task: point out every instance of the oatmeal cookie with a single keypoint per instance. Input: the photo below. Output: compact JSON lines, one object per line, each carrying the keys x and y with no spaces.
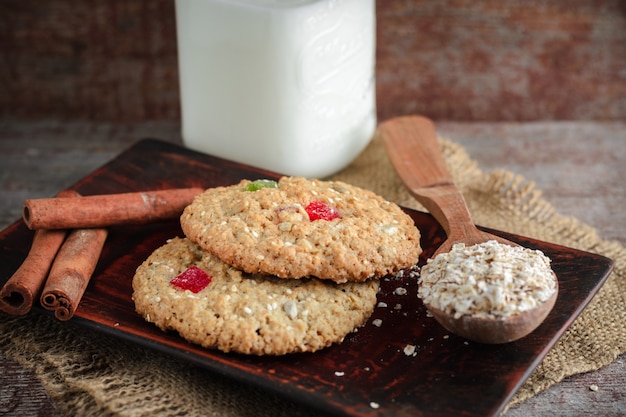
{"x":297,"y":228}
{"x":183,"y":288}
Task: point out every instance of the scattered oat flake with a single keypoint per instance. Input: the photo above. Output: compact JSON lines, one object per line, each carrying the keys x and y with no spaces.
{"x":593,"y":387}
{"x":400,"y":291}
{"x":382,"y":304}
{"x":409,"y":350}
{"x":374,"y":404}
{"x":339,"y":373}
{"x":377,"y":322}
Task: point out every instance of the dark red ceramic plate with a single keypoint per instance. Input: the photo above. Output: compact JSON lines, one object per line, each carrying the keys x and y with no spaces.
{"x":370,"y":373}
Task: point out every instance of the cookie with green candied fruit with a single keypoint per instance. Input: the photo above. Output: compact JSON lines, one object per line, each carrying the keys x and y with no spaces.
{"x":183,"y":288}
{"x":297,"y":227}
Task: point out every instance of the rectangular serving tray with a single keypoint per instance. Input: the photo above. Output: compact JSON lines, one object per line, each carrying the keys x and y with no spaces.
{"x":370,"y":373}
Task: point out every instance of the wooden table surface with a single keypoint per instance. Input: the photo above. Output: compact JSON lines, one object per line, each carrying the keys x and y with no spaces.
{"x":579,"y":166}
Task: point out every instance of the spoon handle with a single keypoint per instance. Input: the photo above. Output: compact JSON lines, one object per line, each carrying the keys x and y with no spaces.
{"x":413,"y":148}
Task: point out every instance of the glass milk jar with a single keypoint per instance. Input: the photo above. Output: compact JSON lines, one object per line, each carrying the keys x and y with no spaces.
{"x":284,"y":85}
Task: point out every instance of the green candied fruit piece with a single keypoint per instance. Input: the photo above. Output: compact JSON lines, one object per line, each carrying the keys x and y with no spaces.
{"x":256,"y":185}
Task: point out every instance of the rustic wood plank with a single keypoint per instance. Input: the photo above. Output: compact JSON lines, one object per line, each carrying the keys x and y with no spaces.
{"x":22,"y":394}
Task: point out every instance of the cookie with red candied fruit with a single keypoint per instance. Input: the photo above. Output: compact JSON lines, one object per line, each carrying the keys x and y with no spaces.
{"x":183,"y":288}
{"x":297,"y":227}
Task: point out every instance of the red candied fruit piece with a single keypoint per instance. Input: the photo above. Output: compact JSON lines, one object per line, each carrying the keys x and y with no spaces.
{"x":193,"y":279}
{"x":321,"y":211}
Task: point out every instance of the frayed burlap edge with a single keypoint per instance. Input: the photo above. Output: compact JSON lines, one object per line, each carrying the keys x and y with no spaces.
{"x":89,"y":374}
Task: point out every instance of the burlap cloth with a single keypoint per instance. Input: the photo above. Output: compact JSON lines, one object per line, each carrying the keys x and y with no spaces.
{"x":90,"y":374}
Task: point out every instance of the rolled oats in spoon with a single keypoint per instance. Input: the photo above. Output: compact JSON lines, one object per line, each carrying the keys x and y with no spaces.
{"x":488,"y":280}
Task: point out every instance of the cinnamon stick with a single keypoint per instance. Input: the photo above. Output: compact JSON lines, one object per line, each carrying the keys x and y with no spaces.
{"x":71,"y":271}
{"x":107,"y":210}
{"x":19,"y":292}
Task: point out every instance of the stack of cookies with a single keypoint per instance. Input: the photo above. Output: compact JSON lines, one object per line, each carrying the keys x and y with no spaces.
{"x":274,"y":267}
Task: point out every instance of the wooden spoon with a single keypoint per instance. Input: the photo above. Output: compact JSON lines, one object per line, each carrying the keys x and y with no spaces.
{"x":414,"y":151}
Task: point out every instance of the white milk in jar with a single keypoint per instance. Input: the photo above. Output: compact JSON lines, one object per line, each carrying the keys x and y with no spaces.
{"x":284,"y":85}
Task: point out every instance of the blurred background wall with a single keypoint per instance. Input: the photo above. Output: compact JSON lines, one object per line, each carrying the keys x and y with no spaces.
{"x":460,"y":60}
